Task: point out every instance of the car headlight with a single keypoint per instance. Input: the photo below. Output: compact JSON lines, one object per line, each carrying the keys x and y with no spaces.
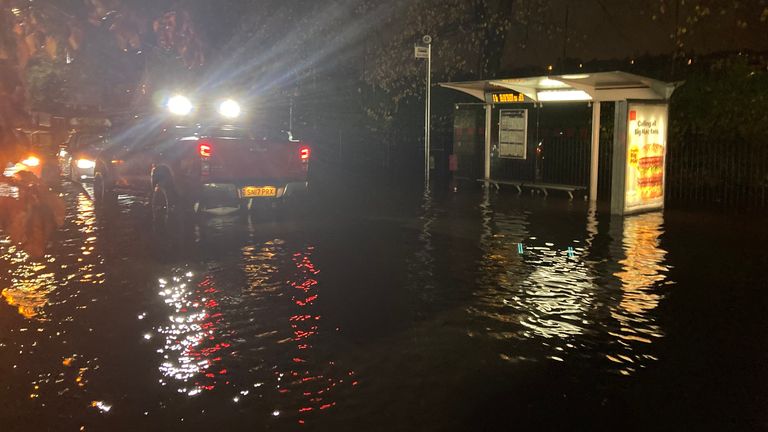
{"x":86,"y":164}
{"x":31,"y":161}
{"x":229,"y":109}
{"x":179,"y":105}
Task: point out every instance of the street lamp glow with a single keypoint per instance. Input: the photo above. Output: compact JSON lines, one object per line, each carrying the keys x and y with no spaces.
{"x":229,"y":109}
{"x":179,"y":105}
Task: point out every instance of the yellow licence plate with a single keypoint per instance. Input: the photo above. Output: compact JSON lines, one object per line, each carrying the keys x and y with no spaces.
{"x":258,"y":191}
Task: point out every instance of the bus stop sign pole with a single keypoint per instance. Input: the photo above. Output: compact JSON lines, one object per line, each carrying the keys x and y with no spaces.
{"x":426,"y":53}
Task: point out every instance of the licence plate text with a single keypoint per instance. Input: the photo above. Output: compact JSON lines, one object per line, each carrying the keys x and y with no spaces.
{"x":258,"y":191}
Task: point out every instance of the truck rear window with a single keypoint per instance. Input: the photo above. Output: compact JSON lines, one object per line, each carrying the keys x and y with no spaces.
{"x":227,"y":132}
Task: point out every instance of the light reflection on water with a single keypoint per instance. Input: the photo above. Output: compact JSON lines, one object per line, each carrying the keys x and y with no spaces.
{"x":50,"y":295}
{"x":250,"y":329}
{"x":421,"y":265}
{"x":30,"y":283}
{"x":33,"y":284}
{"x":498,"y":267}
{"x":556,"y":296}
{"x":191,"y":350}
{"x":247,"y":323}
{"x":531,"y":290}
{"x":641,"y":275}
{"x":311,"y":374}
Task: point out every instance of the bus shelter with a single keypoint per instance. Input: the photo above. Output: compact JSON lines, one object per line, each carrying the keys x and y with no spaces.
{"x":639,"y":129}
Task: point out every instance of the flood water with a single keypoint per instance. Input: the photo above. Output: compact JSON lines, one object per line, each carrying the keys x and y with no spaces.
{"x":376,"y":311}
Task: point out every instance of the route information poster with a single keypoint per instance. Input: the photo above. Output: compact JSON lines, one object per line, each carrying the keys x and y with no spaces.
{"x":513,"y":133}
{"x":646,"y":151}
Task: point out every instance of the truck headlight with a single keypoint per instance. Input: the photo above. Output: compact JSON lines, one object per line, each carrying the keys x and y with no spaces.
{"x":179,"y":105}
{"x":86,"y":164}
{"x":31,"y":161}
{"x":229,"y":109}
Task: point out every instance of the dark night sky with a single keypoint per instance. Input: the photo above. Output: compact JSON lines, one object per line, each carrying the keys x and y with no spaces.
{"x":625,"y":29}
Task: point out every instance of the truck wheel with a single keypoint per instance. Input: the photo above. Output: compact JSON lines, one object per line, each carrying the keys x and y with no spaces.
{"x":64,"y":169}
{"x":72,"y":174}
{"x":199,"y":208}
{"x":103,"y":195}
{"x":292,"y":208}
{"x":163,"y":204}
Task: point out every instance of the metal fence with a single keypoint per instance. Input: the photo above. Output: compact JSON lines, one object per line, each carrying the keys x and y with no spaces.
{"x":709,"y":172}
{"x":564,"y":158}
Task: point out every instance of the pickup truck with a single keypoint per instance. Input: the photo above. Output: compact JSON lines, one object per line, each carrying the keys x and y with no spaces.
{"x":193,"y":168}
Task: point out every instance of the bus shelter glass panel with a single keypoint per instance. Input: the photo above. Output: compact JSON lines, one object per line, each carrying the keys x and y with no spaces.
{"x":469,"y":141}
{"x":557,"y":144}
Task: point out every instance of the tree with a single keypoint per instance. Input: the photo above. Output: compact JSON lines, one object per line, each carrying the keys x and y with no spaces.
{"x":102,"y":42}
{"x":712,"y":24}
{"x":47,"y":83}
{"x":469,"y":42}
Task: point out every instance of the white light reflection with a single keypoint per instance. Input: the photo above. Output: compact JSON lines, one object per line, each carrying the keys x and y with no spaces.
{"x":556,"y":296}
{"x":101,"y":406}
{"x":190,"y":351}
{"x":532,"y":288}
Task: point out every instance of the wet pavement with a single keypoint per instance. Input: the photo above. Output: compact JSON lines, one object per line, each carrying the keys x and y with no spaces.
{"x":377,"y":311}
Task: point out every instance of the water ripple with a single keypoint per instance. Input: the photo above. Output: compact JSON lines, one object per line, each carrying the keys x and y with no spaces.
{"x":532,"y":290}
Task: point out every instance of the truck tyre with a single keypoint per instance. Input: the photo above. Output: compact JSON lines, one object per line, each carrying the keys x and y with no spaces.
{"x":164,"y":206}
{"x":73,"y":173}
{"x":103,"y":195}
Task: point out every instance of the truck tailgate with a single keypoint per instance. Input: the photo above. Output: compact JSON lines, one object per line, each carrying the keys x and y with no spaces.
{"x":237,"y":160}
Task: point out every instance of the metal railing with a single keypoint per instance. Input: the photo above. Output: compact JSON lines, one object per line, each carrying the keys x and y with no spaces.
{"x":703,"y":170}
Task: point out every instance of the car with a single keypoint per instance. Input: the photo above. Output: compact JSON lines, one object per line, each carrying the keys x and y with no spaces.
{"x":77,"y":155}
{"x":34,"y":155}
{"x":195,"y":166}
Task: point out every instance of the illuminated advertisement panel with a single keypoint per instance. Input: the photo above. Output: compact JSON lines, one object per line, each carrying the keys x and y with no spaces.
{"x":646,"y":151}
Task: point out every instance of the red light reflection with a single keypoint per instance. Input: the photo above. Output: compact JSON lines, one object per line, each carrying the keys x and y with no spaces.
{"x":311,"y":378}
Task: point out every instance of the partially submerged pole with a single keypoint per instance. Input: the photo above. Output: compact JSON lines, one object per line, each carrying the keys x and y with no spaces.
{"x":595,"y":152}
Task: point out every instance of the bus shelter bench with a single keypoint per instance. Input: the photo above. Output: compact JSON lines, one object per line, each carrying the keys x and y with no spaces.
{"x":543,"y":187}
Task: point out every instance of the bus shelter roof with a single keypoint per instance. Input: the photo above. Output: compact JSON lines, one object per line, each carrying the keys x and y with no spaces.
{"x":598,"y":87}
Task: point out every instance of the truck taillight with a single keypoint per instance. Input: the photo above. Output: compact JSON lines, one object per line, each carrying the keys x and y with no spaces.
{"x":205,"y":149}
{"x":304,"y":153}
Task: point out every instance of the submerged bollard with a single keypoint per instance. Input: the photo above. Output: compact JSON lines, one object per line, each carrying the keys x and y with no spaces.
{"x":520,"y":248}
{"x":570,"y":252}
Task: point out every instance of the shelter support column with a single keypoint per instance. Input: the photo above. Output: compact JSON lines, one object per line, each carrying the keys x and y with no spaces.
{"x":619,"y":163}
{"x":595,"y":152}
{"x":487,"y":153}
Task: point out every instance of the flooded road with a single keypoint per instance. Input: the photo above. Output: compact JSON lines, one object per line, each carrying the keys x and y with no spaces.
{"x":466,"y":311}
